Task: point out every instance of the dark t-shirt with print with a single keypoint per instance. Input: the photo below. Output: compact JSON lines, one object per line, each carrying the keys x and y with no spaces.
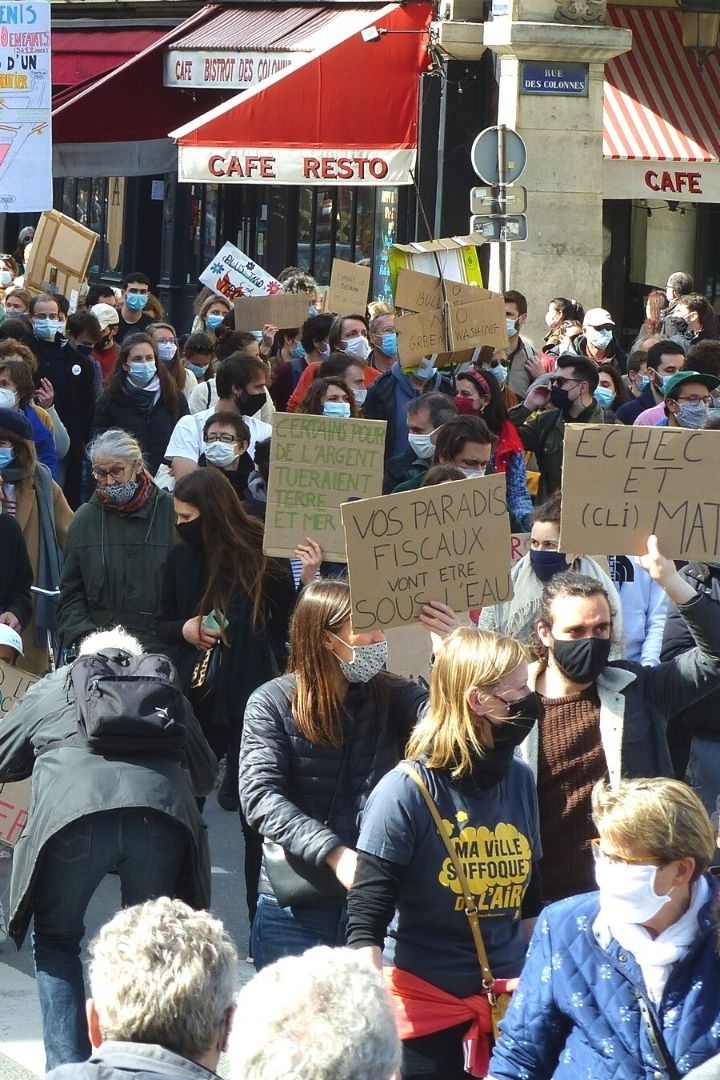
{"x":495,"y":832}
{"x":125,"y":329}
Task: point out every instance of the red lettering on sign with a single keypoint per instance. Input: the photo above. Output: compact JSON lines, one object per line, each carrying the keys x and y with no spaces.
{"x":215,"y":163}
{"x":311,"y":168}
{"x":674,"y":182}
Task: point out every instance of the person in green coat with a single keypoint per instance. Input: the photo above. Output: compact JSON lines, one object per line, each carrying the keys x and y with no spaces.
{"x":117,"y":547}
{"x":570,"y":391}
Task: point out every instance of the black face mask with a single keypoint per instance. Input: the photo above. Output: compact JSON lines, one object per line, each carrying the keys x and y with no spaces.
{"x":496,"y":761}
{"x":583,"y":660}
{"x":84,"y":350}
{"x":547,"y":564}
{"x":249,"y":404}
{"x":105,"y":342}
{"x":560,"y":398}
{"x":190,"y":532}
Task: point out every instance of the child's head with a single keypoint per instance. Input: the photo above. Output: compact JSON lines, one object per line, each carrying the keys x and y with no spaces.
{"x":10,"y":645}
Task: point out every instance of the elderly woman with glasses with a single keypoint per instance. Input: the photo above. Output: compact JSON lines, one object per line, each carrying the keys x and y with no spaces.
{"x":117,"y":547}
{"x":625,"y":982}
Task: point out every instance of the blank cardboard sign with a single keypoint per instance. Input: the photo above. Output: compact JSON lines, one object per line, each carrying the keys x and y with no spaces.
{"x":284,"y":310}
{"x":450,"y":542}
{"x":349,"y":287}
{"x":317,"y":463}
{"x":620,"y":484}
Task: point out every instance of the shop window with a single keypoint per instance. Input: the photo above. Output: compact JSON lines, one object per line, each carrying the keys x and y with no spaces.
{"x":386,"y":229}
{"x":99,"y":204}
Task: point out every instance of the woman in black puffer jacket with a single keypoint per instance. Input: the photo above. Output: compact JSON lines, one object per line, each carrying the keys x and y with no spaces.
{"x":315,"y":743}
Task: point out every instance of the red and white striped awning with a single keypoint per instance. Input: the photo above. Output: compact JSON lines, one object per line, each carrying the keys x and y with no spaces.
{"x":661,"y":123}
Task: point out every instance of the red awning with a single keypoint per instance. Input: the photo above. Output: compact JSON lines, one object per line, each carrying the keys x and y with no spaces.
{"x":657,"y":102}
{"x":79,"y":55}
{"x":347,"y":114}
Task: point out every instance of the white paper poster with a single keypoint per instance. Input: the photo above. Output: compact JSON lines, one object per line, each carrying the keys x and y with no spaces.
{"x":231,"y":274}
{"x":25,"y":107}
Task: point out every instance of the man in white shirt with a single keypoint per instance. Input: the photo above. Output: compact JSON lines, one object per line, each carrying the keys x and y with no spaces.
{"x":241,"y":382}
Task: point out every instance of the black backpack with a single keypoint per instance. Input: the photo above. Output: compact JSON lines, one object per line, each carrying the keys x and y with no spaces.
{"x":129,"y":706}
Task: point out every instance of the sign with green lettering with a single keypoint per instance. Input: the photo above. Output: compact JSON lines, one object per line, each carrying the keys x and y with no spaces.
{"x":622,"y":484}
{"x":317,"y":463}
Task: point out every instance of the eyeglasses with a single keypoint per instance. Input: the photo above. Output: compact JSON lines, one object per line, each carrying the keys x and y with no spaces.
{"x":560,"y":381}
{"x":227,"y":439}
{"x":695,"y":399}
{"x":114,"y":474}
{"x":617,"y":860}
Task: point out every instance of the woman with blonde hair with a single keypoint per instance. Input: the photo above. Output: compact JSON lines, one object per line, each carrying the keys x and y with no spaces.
{"x":445,"y":909}
{"x":315,"y":743}
{"x":625,"y":982}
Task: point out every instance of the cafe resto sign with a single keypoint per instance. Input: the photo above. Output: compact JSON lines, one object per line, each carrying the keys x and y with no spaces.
{"x":673,"y":181}
{"x":287,"y":165}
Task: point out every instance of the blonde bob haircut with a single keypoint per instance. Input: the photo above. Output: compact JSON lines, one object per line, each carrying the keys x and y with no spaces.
{"x":448,"y":733}
{"x":322,"y":606}
{"x":658,"y":817}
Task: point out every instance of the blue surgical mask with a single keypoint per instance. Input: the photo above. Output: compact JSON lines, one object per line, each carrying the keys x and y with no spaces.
{"x":258,"y":335}
{"x":323,"y":349}
{"x":511,"y":327}
{"x":339,"y":409}
{"x":136,"y":301}
{"x":643,"y":381}
{"x":312,"y":311}
{"x":599,"y":339}
{"x":298,"y":351}
{"x":45,"y":328}
{"x":198,"y":371}
{"x":213,"y":322}
{"x":604,"y":397}
{"x":166,"y":351}
{"x":664,"y":380}
{"x":500,"y":373}
{"x":388,"y":343}
{"x":6,"y":456}
{"x":141,"y":372}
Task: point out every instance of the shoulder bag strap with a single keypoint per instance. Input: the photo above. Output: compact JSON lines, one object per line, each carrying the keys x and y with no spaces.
{"x":655,"y":1037}
{"x":470,"y":906}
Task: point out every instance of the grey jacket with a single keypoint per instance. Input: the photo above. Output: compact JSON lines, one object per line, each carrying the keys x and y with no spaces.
{"x":123,"y":1060}
{"x":69,"y":783}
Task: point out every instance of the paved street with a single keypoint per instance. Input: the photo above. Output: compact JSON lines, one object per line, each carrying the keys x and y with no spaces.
{"x":21,"y":1048}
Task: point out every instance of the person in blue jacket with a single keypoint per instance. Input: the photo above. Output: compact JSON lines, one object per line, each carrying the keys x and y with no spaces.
{"x":624,"y":983}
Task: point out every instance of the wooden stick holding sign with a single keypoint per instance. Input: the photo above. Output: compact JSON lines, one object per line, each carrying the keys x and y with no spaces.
{"x":349,"y":287}
{"x":450,"y":542}
{"x":15,"y":797}
{"x":317,"y":463}
{"x":620,"y":484}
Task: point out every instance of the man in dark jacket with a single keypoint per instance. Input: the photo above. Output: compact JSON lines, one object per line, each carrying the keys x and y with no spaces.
{"x":389,"y":396}
{"x":424,"y":416}
{"x":73,"y":379}
{"x":598,"y":717}
{"x":90,"y":815}
{"x":598,"y":341}
{"x":177,"y":1034}
{"x":664,"y":359}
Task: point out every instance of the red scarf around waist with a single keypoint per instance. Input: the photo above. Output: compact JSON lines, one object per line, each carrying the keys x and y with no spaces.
{"x":422,"y":1009}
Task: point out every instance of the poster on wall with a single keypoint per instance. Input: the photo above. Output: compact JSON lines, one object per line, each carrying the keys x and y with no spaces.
{"x":25,"y":96}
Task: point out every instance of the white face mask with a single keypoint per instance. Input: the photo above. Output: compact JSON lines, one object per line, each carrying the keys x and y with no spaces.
{"x":6,"y":278}
{"x":421,"y":446}
{"x":473,"y":474}
{"x":358,"y":346}
{"x":221,"y":454}
{"x":8,"y":398}
{"x":627,"y":892}
{"x":360,"y":395}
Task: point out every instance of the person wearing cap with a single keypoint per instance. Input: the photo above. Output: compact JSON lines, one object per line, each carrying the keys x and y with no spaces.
{"x":598,"y":341}
{"x":687,"y":399}
{"x":30,"y":495}
{"x":11,"y":645}
{"x":106,"y":351}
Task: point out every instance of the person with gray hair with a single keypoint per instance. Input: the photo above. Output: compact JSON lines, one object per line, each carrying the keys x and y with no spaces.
{"x":117,"y":547}
{"x":181,"y":1031}
{"x":679,"y":287}
{"x":132,"y":812}
{"x":424,"y":416}
{"x":324,"y":1015}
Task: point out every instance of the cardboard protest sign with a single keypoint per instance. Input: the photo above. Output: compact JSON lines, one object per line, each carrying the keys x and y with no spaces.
{"x":455,"y":257}
{"x":15,"y":797}
{"x":231,"y":274}
{"x":60,"y":254}
{"x":284,"y":310}
{"x":14,"y":804}
{"x":410,"y":653}
{"x":519,"y":546}
{"x":349,"y":288}
{"x":317,"y":463}
{"x":450,"y":542}
{"x":620,"y":484}
{"x":468,"y":325}
{"x":422,"y":292}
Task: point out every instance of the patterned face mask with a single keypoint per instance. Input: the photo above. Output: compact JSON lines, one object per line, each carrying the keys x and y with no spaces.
{"x":118,"y":494}
{"x":367,"y":660}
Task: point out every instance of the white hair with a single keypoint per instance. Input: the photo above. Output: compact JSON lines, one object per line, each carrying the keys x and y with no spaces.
{"x":116,"y":638}
{"x":162,"y":973}
{"x":115,"y":443}
{"x":324,"y":1015}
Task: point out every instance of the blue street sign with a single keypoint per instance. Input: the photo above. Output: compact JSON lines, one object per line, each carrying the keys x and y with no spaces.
{"x":566,"y":80}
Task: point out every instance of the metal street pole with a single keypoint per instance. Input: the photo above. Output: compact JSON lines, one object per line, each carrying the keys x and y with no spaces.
{"x":502,"y":200}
